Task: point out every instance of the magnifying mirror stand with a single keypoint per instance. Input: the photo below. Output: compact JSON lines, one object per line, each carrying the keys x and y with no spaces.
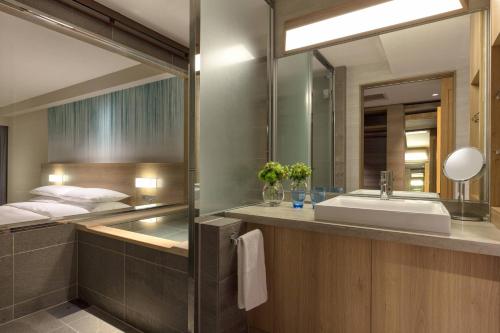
{"x":461,"y":198}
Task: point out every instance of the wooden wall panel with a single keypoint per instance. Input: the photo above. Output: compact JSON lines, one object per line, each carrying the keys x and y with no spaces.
{"x":418,"y":289}
{"x":495,"y":22}
{"x":121,"y":177}
{"x":396,"y":144}
{"x":446,"y":132}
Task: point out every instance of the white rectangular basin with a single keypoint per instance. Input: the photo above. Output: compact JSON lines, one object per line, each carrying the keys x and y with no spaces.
{"x":401,"y":214}
{"x":401,"y":194}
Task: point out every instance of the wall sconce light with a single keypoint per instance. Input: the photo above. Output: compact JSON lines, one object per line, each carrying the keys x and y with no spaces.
{"x":151,"y":220}
{"x":58,"y":179}
{"x":146,"y":183}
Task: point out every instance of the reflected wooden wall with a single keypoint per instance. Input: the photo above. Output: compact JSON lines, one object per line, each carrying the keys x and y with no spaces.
{"x":121,"y":177}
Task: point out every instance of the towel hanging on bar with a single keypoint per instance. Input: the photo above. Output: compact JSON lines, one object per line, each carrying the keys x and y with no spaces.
{"x":252,"y":285}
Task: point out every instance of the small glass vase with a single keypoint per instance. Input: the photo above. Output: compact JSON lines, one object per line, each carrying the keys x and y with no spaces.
{"x":273,"y":194}
{"x":298,"y":191}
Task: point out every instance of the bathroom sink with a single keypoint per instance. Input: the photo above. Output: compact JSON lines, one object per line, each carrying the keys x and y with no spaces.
{"x":414,"y":215}
{"x":399,"y":194}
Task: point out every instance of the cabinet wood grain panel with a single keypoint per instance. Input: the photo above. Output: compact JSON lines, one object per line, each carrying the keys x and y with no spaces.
{"x":321,"y":283}
{"x":261,"y":319}
{"x":418,"y":289}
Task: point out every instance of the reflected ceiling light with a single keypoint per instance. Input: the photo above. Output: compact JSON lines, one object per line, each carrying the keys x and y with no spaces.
{"x":416,"y":182}
{"x":435,"y":95}
{"x":416,"y":156}
{"x":146,"y":183}
{"x":235,"y":54}
{"x":383,"y":15}
{"x":417,"y":175}
{"x":418,"y":139}
{"x":197,"y":62}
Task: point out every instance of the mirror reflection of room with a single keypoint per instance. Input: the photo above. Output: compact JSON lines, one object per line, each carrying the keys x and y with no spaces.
{"x":84,"y":129}
{"x":400,"y":101}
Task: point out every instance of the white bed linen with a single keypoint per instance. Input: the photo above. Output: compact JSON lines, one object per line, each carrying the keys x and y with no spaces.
{"x":10,"y":215}
{"x":49,"y":209}
{"x":46,"y":208}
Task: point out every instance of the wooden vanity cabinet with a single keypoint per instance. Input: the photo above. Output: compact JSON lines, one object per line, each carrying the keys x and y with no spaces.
{"x":326,"y":283}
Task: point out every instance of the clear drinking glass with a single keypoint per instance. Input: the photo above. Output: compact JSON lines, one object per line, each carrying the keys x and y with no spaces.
{"x":318,"y":194}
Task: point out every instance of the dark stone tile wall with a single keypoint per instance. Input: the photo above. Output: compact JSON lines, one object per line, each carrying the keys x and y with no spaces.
{"x":218,"y":277}
{"x":37,"y":269}
{"x":144,"y":287}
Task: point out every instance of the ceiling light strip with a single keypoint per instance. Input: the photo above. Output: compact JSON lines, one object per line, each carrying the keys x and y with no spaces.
{"x":372,"y":18}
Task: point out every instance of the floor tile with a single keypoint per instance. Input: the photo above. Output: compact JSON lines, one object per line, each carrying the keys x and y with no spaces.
{"x":70,"y":317}
{"x":40,"y":322}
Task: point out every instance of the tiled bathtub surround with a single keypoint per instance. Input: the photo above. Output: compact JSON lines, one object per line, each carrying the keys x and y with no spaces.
{"x":37,"y":269}
{"x":145,"y":287}
{"x":218,"y":277}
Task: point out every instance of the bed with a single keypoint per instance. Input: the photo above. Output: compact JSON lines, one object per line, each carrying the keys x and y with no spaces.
{"x":119,"y":177}
{"x":46,"y":208}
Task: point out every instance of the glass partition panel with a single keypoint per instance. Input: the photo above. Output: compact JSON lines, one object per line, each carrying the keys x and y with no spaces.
{"x":293,"y":124}
{"x":234,"y":101}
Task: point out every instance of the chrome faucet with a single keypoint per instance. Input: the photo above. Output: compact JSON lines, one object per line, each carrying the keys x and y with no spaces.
{"x":386,"y":180}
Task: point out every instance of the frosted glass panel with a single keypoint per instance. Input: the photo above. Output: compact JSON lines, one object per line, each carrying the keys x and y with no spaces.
{"x":234,"y":101}
{"x":293,"y":124}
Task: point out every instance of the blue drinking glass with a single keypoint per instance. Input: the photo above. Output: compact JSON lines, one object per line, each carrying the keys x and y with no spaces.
{"x":318,"y":194}
{"x":298,"y":197}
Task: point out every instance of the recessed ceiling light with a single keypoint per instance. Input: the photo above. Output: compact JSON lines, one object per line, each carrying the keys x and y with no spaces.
{"x":416,"y":182}
{"x":386,"y":14}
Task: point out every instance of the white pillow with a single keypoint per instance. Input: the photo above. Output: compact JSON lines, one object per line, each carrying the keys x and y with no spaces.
{"x":56,"y":191}
{"x":46,"y":199}
{"x":93,"y":195}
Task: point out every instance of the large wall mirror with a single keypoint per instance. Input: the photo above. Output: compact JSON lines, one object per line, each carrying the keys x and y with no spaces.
{"x":83,"y":117}
{"x":400,"y":101}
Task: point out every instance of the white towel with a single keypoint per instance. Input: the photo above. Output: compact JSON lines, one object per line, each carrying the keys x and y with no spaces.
{"x":252,"y":286}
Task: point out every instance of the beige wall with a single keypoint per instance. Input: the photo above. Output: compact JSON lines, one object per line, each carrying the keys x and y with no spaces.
{"x":4,"y":121}
{"x":28,"y":141}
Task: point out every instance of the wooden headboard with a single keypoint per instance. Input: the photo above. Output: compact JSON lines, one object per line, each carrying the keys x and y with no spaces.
{"x":121,"y":177}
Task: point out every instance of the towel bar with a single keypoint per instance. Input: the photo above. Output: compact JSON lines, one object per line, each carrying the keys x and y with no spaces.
{"x":234,"y":239}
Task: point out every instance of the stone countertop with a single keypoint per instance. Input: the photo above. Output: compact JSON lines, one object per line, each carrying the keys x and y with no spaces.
{"x":473,"y":237}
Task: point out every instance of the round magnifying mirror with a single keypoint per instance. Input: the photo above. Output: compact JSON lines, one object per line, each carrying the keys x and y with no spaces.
{"x":464,"y":164}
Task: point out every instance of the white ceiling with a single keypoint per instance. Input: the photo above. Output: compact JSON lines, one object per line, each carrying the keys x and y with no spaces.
{"x":434,"y":47}
{"x":360,"y":52}
{"x":405,"y":93}
{"x":35,"y":60}
{"x":167,"y":17}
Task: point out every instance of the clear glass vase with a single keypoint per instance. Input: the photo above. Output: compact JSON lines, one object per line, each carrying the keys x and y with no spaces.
{"x":298,"y":191}
{"x":273,"y":194}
